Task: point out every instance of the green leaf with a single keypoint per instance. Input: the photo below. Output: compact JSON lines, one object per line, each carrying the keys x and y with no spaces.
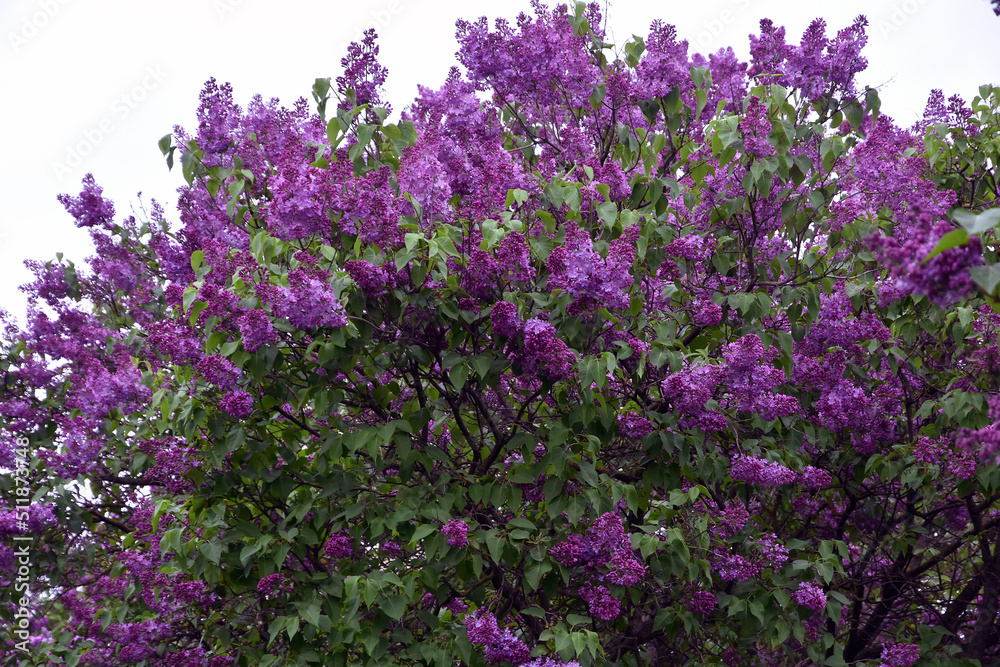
{"x":977,"y":224}
{"x":872,"y":102}
{"x":190,"y":294}
{"x":855,"y":115}
{"x":607,"y":212}
{"x":986,"y":277}
{"x":422,"y":531}
{"x":597,"y":96}
{"x":276,"y":626}
{"x":458,"y":375}
{"x":332,"y":131}
{"x":310,"y":612}
{"x":292,"y":626}
{"x":495,"y":546}
{"x":187,"y":166}
{"x":212,"y":550}
{"x":418,"y":273}
{"x":522,"y":523}
{"x":394,"y":606}
{"x":953,"y":239}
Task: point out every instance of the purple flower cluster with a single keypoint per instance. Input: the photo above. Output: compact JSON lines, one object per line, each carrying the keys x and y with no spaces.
{"x":373,"y":280}
{"x":309,"y":301}
{"x":172,"y":339}
{"x":896,"y":654}
{"x":749,"y":373}
{"x":238,"y":403}
{"x":268,"y":584}
{"x":664,"y":65}
{"x":543,"y":60}
{"x":499,"y":645}
{"x":457,"y":531}
{"x":363,"y":74}
{"x":40,"y":517}
{"x":570,"y":551}
{"x":814,"y":478}
{"x":755,"y":128}
{"x":257,"y":330}
{"x":761,"y":471}
{"x":391,"y":549}
{"x":300,"y":204}
{"x":340,"y":545}
{"x":810,"y":596}
{"x":578,"y":269}
{"x":945,"y":278}
{"x":90,"y":209}
{"x":772,"y":551}
{"x":689,"y":390}
{"x":460,"y":152}
{"x":734,"y":567}
{"x":218,"y":116}
{"x":604,"y":546}
{"x":603,"y":604}
{"x":633,"y":426}
{"x":173,"y":461}
{"x":984,"y":442}
{"x":514,"y":259}
{"x":624,"y":569}
{"x":504,"y":319}
{"x":219,"y":371}
{"x":702,"y":602}
{"x":481,"y":627}
{"x":752,"y":379}
{"x":846,"y":406}
{"x":691,"y":247}
{"x":806,"y":66}
{"x":954,"y":114}
{"x":103,"y":390}
{"x":544,"y":353}
{"x":456,"y":606}
{"x":732,"y":519}
{"x":481,"y":277}
{"x":706,"y":312}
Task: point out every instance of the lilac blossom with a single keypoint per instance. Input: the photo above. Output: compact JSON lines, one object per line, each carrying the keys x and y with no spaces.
{"x":363,"y":75}
{"x":602,"y":604}
{"x":457,"y":532}
{"x":339,"y":545}
{"x":504,"y":319}
{"x":945,"y":278}
{"x":761,"y":471}
{"x":898,"y":654}
{"x":810,"y":596}
{"x":702,"y":602}
{"x":544,"y":353}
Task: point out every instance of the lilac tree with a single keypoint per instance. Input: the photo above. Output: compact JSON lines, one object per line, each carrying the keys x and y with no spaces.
{"x":597,"y":356}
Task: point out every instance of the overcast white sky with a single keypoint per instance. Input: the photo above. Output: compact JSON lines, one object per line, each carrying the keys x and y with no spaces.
{"x":91,"y":85}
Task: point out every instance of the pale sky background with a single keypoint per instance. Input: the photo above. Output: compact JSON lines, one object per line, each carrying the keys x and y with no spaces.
{"x":92,"y":85}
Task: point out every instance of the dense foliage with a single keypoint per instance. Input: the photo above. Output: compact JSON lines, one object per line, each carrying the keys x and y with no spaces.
{"x":595,"y":356}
